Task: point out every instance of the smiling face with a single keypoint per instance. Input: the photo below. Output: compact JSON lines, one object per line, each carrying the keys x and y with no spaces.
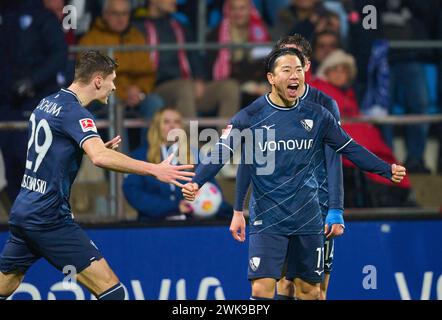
{"x":287,"y":78}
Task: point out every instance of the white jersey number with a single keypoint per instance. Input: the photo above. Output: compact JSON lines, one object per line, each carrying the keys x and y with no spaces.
{"x":42,"y":149}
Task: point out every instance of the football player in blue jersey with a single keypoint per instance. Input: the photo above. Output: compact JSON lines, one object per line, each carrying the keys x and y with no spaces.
{"x":41,"y":222}
{"x":329,"y":175}
{"x":286,"y":224}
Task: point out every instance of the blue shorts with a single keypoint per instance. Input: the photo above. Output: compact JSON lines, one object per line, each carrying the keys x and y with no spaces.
{"x":64,"y":245}
{"x":304,"y":255}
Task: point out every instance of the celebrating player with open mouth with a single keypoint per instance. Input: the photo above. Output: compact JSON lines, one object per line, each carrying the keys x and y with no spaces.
{"x":41,"y":222}
{"x":286,"y":221}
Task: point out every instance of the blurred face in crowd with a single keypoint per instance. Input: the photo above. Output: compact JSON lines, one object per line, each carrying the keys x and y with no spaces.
{"x":239,"y":13}
{"x":339,"y":75}
{"x":286,"y":79}
{"x":304,"y":4}
{"x":170,"y":120}
{"x":56,"y":6}
{"x":117,"y":15}
{"x":334,"y":23}
{"x":325,"y":44}
{"x":163,"y":7}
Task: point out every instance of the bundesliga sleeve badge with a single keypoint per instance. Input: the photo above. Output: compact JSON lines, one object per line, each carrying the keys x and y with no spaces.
{"x":88,"y":124}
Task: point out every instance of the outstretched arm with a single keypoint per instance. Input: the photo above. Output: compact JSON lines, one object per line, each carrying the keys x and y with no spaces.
{"x":341,"y":142}
{"x":110,"y":159}
{"x":334,"y":221}
{"x":217,"y":158}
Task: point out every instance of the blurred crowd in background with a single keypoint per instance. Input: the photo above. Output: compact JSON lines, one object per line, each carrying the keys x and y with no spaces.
{"x":352,"y":64}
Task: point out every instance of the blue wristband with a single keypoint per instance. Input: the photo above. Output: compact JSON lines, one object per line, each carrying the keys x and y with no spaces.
{"x":334,"y":216}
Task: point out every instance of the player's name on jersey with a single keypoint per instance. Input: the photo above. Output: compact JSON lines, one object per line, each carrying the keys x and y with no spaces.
{"x":49,"y":107}
{"x":34,"y":184}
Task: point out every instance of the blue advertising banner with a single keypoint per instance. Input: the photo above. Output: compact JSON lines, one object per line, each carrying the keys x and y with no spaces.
{"x":373,"y":260}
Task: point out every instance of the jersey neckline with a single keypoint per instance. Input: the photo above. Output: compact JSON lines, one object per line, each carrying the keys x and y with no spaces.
{"x":72,"y":93}
{"x":307,"y":88}
{"x":280,"y":107}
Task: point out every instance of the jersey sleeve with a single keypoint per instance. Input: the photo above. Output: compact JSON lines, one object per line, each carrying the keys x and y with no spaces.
{"x":79,"y":124}
{"x":333,"y":162}
{"x":341,"y":142}
{"x":223,"y":150}
{"x":243,"y":179}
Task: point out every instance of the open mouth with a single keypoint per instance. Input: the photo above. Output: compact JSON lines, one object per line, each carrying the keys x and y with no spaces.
{"x":292,"y":89}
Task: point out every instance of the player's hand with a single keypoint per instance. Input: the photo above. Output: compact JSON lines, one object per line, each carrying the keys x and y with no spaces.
{"x":334,"y":223}
{"x":336,"y":230}
{"x":190,"y":190}
{"x":238,"y":226}
{"x":168,"y":173}
{"x":399,"y":172}
{"x":114,"y":143}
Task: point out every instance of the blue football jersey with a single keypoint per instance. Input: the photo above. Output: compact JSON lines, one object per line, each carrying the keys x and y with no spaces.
{"x":329,"y":175}
{"x":287,"y":151}
{"x":58,"y":127}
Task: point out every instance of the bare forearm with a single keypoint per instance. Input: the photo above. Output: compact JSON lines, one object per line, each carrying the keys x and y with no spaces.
{"x":116,"y":161}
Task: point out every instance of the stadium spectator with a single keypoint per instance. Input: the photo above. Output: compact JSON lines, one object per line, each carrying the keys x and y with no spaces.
{"x":154,"y":199}
{"x":269,"y":9}
{"x":241,"y":23}
{"x":330,"y":21}
{"x":406,"y":20}
{"x":56,"y":6}
{"x":187,"y":13}
{"x":323,"y":44}
{"x":67,"y":74}
{"x":181,"y":76}
{"x":301,"y":16}
{"x":338,"y":10}
{"x":335,"y":77}
{"x":376,"y":98}
{"x":360,"y":41}
{"x":136,"y":74}
{"x":86,"y":13}
{"x":33,"y":51}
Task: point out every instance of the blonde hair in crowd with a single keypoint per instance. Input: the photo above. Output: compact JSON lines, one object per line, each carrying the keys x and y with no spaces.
{"x":155,"y":140}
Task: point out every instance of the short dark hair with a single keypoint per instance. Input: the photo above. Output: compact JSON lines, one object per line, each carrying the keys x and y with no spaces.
{"x":326,"y":33}
{"x":91,"y":62}
{"x":299,"y":41}
{"x":276,"y":53}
